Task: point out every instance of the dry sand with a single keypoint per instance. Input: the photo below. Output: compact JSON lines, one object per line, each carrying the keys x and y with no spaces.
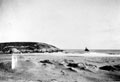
{"x":61,"y":67}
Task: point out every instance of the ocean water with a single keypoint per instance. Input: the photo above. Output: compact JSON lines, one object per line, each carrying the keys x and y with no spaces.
{"x":106,"y":51}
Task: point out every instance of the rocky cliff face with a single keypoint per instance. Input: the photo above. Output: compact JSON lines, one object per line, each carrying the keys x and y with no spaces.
{"x":27,"y":47}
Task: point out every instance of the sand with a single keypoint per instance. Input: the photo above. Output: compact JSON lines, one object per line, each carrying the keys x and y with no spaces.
{"x":61,"y":67}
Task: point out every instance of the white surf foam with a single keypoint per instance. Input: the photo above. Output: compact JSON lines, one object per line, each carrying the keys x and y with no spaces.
{"x":89,"y":54}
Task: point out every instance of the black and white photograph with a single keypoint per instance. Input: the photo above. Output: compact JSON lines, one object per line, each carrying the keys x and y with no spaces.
{"x":59,"y":40}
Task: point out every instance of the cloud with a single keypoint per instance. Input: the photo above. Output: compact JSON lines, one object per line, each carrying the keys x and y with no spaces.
{"x":65,"y":23}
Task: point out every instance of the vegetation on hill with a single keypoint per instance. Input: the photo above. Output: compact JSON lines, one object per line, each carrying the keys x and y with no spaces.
{"x":27,"y":47}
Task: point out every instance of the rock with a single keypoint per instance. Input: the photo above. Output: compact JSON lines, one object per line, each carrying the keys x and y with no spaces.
{"x":110,"y":68}
{"x":46,"y":61}
{"x":54,"y":80}
{"x":81,"y":66}
{"x":91,"y":67}
{"x":75,"y":65}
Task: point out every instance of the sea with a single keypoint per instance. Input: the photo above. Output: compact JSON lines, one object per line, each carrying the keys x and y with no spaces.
{"x":106,"y":51}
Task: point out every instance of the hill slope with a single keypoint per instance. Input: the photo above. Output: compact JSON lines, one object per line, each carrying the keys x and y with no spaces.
{"x":26,"y":47}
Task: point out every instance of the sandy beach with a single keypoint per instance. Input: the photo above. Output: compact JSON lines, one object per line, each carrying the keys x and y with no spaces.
{"x":61,"y":67}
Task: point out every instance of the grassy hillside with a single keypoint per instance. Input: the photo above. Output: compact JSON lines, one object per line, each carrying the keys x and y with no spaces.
{"x":27,"y":47}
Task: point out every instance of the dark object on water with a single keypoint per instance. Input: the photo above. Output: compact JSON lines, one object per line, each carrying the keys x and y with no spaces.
{"x":86,"y":49}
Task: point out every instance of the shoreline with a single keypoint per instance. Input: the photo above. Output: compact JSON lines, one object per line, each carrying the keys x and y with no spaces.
{"x":88,"y":54}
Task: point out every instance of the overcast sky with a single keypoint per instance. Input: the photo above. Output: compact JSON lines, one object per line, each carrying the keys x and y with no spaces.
{"x":63,"y":23}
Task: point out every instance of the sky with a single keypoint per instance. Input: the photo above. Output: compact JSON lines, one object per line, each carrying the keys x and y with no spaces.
{"x":67,"y":24}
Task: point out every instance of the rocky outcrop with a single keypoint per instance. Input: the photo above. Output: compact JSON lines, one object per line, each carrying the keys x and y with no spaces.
{"x":110,"y":67}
